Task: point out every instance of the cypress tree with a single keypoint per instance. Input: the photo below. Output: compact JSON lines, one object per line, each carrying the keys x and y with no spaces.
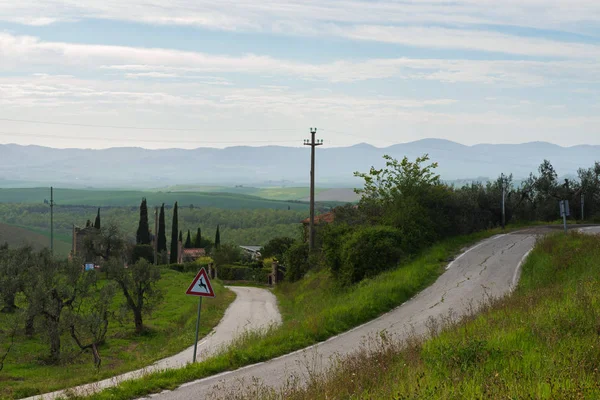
{"x":198,"y":241}
{"x":181,"y":236}
{"x":143,"y":233}
{"x":188,"y":241}
{"x":97,"y":222}
{"x":162,"y":236}
{"x":174,"y":234}
{"x":217,"y":239}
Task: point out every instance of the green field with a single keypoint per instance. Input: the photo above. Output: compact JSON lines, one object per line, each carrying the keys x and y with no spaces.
{"x":171,"y":329}
{"x":271,"y":193}
{"x":18,"y":236}
{"x":115,"y":198}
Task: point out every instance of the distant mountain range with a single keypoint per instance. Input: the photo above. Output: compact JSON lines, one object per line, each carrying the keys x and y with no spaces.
{"x":271,"y":165}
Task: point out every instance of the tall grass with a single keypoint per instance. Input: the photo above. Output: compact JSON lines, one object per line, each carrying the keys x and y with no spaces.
{"x":542,"y":342}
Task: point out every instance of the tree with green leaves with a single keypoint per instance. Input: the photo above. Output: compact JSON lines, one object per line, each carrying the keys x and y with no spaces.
{"x":218,"y":239}
{"x":138,"y":282}
{"x":198,"y":239}
{"x":13,"y":266}
{"x":162,"y":235}
{"x":188,"y":240}
{"x":52,"y":287}
{"x":97,"y":222}
{"x":174,"y":236}
{"x":143,"y":232}
{"x":276,"y":247}
{"x":88,"y":319}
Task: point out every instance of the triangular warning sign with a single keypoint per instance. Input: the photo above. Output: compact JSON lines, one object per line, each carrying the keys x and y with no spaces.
{"x":201,"y":285}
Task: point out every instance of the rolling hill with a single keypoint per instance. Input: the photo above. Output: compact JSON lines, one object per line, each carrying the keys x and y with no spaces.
{"x":138,"y":168}
{"x":17,"y":236}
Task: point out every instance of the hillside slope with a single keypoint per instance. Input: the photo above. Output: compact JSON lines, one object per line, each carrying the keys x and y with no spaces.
{"x":17,"y":236}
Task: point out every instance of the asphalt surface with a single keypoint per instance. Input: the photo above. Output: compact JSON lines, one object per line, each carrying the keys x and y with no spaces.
{"x":488,"y":269}
{"x":252,"y":309}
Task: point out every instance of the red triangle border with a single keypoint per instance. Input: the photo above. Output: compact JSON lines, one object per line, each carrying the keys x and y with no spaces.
{"x":209,"y":286}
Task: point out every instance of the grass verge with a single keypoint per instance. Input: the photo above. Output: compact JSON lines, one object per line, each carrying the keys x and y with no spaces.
{"x":313,"y":309}
{"x":541,"y":342}
{"x":170,"y":329}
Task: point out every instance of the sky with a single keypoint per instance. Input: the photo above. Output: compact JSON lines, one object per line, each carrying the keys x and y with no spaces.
{"x":198,"y":73}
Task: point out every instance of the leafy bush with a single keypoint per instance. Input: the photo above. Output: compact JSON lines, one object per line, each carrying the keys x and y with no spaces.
{"x":227,"y":254}
{"x":333,"y":239}
{"x":239,"y":273}
{"x":276,"y":247}
{"x":142,"y":251}
{"x":186,"y":267}
{"x":369,"y":251}
{"x":296,"y":261}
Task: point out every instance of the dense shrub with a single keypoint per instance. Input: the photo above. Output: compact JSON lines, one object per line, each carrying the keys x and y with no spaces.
{"x":296,"y":261}
{"x":240,"y":273}
{"x":186,"y":267}
{"x":369,"y":251}
{"x":276,"y":247}
{"x":142,"y":251}
{"x":333,"y":239}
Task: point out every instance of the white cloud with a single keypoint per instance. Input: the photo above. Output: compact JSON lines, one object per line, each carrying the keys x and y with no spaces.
{"x":271,"y":15}
{"x":479,"y":40}
{"x":18,"y":52}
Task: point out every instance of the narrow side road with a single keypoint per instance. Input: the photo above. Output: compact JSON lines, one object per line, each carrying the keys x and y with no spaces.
{"x":489,"y":269}
{"x":252,"y":309}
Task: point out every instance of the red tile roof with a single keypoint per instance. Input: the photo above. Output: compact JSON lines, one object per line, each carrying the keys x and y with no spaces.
{"x":197,"y":253}
{"x":326,"y":218}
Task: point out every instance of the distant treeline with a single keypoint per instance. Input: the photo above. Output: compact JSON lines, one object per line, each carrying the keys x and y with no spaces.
{"x":244,"y":226}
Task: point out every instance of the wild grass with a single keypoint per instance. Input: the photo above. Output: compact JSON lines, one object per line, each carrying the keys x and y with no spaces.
{"x":313,"y":310}
{"x":170,"y":329}
{"x":541,"y":342}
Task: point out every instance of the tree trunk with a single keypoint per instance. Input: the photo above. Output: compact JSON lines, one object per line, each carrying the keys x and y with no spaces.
{"x":54,"y":334}
{"x":137,"y":316}
{"x":29,"y":327}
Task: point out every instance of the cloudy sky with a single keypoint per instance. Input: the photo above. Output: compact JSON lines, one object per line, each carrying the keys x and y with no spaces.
{"x":192,"y":73}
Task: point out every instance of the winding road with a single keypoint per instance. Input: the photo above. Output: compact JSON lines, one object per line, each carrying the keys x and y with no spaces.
{"x":490,"y":268}
{"x":252,"y":309}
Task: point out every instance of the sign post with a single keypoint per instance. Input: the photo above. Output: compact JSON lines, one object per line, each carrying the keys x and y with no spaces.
{"x":200,"y":287}
{"x":564,"y":211}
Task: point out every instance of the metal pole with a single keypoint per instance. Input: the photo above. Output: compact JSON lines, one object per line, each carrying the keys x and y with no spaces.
{"x":565,"y":221}
{"x":197,"y":328}
{"x":51,"y":219}
{"x":582,"y":207}
{"x":503,"y":202}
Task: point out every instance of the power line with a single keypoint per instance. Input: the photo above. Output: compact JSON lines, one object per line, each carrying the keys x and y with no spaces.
{"x":145,"y":128}
{"x":170,"y":140}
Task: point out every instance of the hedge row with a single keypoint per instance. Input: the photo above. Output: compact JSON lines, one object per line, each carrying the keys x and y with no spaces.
{"x":240,"y":273}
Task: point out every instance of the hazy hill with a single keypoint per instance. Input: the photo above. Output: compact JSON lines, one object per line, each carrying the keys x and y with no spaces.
{"x":260,"y":166}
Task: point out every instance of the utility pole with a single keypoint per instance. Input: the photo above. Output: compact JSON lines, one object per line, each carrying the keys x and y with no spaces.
{"x":503,"y":201}
{"x":51,"y":219}
{"x":582,"y":207}
{"x":313,"y":144}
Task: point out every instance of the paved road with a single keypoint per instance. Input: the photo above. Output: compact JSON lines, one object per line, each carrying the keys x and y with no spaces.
{"x":590,"y":229}
{"x":491,"y":268}
{"x":252,"y":309}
